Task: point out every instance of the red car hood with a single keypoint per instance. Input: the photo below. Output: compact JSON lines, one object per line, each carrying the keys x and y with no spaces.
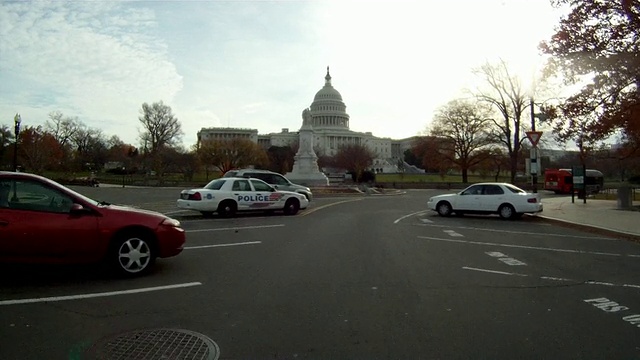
{"x":134,"y":211}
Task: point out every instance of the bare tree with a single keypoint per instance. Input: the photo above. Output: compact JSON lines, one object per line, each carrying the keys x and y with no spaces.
{"x":62,"y":128}
{"x":505,"y":94}
{"x":466,"y":128}
{"x":90,"y":147}
{"x":161,"y":127}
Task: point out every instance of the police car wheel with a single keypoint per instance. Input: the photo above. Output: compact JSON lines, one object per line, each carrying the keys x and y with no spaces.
{"x":291,"y":207}
{"x":227,"y":208}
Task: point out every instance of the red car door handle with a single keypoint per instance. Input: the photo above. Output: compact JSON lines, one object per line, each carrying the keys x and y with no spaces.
{"x":4,"y":223}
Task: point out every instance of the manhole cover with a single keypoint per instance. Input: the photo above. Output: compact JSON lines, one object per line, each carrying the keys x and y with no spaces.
{"x":155,"y":344}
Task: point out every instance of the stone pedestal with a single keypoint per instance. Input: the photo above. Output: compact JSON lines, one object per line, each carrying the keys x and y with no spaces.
{"x":305,"y":166}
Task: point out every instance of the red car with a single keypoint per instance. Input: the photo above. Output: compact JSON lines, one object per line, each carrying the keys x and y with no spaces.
{"x":42,"y":221}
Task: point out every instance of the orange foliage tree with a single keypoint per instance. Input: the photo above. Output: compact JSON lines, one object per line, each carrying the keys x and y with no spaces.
{"x":597,"y":44}
{"x":39,"y":150}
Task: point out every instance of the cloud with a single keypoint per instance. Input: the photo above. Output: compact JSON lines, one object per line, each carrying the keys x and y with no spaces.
{"x":98,"y":60}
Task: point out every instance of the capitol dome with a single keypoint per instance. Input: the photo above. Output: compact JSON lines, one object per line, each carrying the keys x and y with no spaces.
{"x":328,"y":110}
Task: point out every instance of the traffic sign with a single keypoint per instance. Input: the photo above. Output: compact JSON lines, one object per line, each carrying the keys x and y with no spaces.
{"x":534,"y":137}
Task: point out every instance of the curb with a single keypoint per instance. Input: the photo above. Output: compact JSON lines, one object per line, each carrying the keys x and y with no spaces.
{"x":591,"y":228}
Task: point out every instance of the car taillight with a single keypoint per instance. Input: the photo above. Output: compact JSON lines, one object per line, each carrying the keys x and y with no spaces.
{"x":195,"y":196}
{"x":532,"y":200}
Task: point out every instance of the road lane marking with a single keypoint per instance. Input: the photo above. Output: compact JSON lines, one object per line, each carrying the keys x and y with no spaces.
{"x":587,"y":282}
{"x":523,"y":232}
{"x":453,"y":233}
{"x":410,"y":215}
{"x":222,"y":245}
{"x":526,"y":247}
{"x":495,"y":254}
{"x":236,"y":228}
{"x":493,"y":271}
{"x":96,"y":295}
{"x":311,"y":211}
{"x":426,"y":221}
{"x":505,"y":259}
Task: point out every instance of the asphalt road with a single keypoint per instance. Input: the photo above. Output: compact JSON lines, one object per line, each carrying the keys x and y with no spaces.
{"x":351,"y":277}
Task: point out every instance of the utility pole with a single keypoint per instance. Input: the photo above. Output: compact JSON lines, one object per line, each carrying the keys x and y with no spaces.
{"x":534,"y":153}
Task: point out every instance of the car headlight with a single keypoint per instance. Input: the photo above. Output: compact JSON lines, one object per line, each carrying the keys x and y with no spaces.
{"x":171,"y":222}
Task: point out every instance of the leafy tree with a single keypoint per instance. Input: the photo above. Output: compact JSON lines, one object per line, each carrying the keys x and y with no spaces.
{"x":354,"y":158}
{"x":598,"y":45}
{"x":494,"y":161}
{"x":429,"y":150}
{"x":411,"y":158}
{"x":39,"y":150}
{"x":506,"y":96}
{"x":280,"y":158}
{"x":465,"y":129}
{"x":6,"y":139}
{"x":232,"y":153}
{"x":161,"y":127}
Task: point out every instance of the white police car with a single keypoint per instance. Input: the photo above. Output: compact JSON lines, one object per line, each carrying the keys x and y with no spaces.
{"x":226,"y":196}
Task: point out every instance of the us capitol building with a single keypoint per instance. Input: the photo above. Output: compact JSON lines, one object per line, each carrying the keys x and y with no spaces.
{"x":330,"y":123}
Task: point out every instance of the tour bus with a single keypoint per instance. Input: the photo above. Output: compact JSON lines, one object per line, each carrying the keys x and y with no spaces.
{"x":560,"y":181}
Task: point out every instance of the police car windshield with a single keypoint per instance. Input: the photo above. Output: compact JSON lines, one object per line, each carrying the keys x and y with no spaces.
{"x":215,"y":184}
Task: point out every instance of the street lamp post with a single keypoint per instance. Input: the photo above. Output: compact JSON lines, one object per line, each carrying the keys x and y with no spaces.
{"x":17,"y":120}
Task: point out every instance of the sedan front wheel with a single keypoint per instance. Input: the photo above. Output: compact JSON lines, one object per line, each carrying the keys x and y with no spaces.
{"x":132,"y":254}
{"x":444,"y":208}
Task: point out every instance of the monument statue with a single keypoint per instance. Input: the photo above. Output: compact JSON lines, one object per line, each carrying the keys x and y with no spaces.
{"x":305,"y":165}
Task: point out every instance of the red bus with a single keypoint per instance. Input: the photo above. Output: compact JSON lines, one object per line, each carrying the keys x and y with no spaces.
{"x":560,"y":181}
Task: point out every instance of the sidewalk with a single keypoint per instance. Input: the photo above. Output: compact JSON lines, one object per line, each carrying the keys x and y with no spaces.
{"x":602,"y":215}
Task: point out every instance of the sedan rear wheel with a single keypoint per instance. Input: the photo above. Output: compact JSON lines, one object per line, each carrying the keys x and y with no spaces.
{"x":291,"y":207}
{"x":444,"y":208}
{"x":507,"y":211}
{"x":133,"y":254}
{"x":227,"y":208}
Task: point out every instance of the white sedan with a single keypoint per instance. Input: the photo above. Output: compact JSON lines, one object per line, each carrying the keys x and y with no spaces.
{"x":504,"y":199}
{"x":226,"y":196}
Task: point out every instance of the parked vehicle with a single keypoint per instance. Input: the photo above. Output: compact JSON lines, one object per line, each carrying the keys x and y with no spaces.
{"x":228,"y":195}
{"x":504,"y":199}
{"x":560,"y":181}
{"x":272,"y":178}
{"x":42,"y":221}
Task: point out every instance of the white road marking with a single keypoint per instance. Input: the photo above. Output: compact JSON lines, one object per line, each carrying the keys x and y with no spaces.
{"x":495,"y":254}
{"x":222,"y":245}
{"x":410,"y":215}
{"x":504,"y":258}
{"x":95,"y":295}
{"x":523,"y":232}
{"x":512,"y":262}
{"x":588,"y":282}
{"x":453,"y":233}
{"x":236,"y":228}
{"x":598,"y":283}
{"x":426,"y":221}
{"x":494,"y":271}
{"x":526,"y":247}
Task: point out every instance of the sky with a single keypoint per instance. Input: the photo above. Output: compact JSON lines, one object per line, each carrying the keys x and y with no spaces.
{"x":257,"y":64}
